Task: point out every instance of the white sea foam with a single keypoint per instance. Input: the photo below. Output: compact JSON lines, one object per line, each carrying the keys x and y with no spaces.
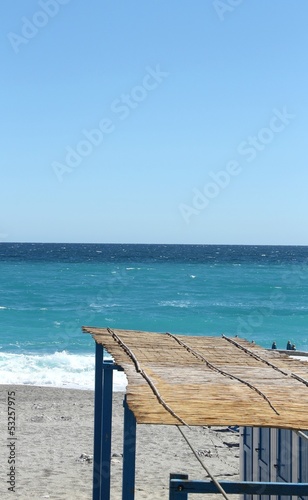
{"x":60,"y":369}
{"x":102,"y":307}
{"x":300,"y":358}
{"x":175,"y":303}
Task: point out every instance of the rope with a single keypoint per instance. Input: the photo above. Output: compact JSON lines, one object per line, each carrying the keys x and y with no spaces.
{"x":217,"y":484}
{"x":254,"y":355}
{"x":125,"y":349}
{"x":301,"y":434}
{"x":300,"y":379}
{"x":222,"y":372}
{"x":259,"y":358}
{"x":145,"y":376}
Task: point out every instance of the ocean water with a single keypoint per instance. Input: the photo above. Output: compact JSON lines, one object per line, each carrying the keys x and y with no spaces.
{"x":48,"y":291}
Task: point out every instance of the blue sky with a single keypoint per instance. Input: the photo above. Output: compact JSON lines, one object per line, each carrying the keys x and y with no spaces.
{"x":155,"y":122}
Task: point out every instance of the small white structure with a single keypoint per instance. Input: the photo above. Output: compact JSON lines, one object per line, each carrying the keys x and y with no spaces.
{"x":269,"y":454}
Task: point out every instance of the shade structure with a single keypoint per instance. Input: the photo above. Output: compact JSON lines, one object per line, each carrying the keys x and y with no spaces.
{"x":196,"y":380}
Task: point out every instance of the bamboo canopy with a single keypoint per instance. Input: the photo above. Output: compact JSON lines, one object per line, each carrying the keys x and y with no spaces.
{"x":194,"y":380}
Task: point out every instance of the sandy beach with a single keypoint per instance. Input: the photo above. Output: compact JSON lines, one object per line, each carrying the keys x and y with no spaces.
{"x":54,"y":437}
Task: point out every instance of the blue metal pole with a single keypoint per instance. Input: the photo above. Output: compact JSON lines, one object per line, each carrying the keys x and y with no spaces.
{"x":106,"y":430}
{"x":179,"y":489}
{"x":173,"y":493}
{"x":97,"y":420}
{"x":129,"y":454}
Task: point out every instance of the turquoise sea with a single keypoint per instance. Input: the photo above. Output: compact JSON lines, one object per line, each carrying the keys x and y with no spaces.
{"x":48,"y":291}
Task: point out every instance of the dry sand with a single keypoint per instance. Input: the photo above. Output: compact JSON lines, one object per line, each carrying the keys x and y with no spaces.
{"x":54,"y":428}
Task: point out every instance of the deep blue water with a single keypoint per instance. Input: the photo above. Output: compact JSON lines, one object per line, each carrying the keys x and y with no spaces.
{"x":48,"y":291}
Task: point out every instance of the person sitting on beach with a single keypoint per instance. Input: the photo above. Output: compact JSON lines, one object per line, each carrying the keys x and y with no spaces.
{"x":293,"y":347}
{"x":289,"y":346}
{"x":274,"y":346}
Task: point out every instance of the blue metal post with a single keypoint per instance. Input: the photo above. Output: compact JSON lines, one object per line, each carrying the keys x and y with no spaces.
{"x":173,"y":494}
{"x":108,"y":367}
{"x":129,"y":454}
{"x":102,"y":425}
{"x":98,"y":408}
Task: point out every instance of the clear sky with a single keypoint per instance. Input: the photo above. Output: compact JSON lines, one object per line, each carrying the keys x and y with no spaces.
{"x":157,"y":121}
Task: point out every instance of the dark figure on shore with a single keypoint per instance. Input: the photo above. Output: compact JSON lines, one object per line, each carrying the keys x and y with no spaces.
{"x":289,"y":346}
{"x":293,"y":348}
{"x":274,"y":346}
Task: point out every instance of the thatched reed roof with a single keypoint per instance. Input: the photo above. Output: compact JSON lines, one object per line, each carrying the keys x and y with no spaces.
{"x":208,"y":380}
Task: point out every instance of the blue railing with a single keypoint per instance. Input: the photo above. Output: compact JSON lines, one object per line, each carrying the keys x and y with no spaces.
{"x":180,"y":487}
